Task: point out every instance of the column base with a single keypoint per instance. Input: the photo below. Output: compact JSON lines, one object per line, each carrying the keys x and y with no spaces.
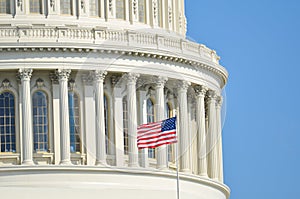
{"x":65,"y":162}
{"x":101,"y":163}
{"x":162,"y":168}
{"x":134,"y":165}
{"x":28,"y":163}
{"x":187,"y":171}
{"x":203,"y":175}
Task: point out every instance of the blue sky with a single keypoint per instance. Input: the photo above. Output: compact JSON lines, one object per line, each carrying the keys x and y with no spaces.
{"x":258,"y":42}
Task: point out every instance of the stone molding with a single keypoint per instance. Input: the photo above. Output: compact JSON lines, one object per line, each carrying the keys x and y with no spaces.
{"x":136,"y":43}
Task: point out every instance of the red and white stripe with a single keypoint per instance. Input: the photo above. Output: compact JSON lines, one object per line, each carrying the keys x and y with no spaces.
{"x":151,"y":136}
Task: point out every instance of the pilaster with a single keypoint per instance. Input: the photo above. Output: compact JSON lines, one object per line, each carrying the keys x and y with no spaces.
{"x":201,"y":131}
{"x":160,"y":115}
{"x":132,"y":119}
{"x":183,"y":127}
{"x":212,"y":135}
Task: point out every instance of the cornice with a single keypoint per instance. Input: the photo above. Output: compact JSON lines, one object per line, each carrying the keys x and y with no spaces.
{"x":130,"y":43}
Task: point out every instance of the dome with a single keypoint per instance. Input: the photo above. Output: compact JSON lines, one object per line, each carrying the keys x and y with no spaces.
{"x":77,"y":79}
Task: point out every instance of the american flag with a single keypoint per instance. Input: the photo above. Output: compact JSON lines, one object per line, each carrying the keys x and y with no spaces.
{"x":155,"y":134}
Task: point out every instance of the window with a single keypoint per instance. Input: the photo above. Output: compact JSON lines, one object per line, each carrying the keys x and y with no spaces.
{"x":5,"y":7}
{"x":125,"y":125}
{"x":65,"y":7}
{"x":35,"y":6}
{"x":120,"y":9}
{"x":40,"y":121}
{"x":150,"y":118}
{"x":94,"y":8}
{"x":7,"y":122}
{"x":106,"y":123}
{"x":74,"y":118}
{"x":142,"y":11}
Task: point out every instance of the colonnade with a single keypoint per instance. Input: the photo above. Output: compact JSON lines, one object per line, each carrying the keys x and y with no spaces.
{"x":208,"y":119}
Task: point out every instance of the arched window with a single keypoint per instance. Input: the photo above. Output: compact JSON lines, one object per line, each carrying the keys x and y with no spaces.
{"x":74,"y":120}
{"x":150,"y":118}
{"x":94,"y":8}
{"x":66,"y":7}
{"x":106,"y":123}
{"x":142,"y":11}
{"x":35,"y":6}
{"x":120,"y":9}
{"x":7,"y":122}
{"x":40,"y":121}
{"x":125,"y":125}
{"x":5,"y":7}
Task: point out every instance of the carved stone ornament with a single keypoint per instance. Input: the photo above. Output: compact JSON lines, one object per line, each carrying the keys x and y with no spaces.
{"x":219,"y":101}
{"x":132,"y":77}
{"x":99,"y":75}
{"x":211,"y":96}
{"x":25,"y":74}
{"x":40,"y":83}
{"x":183,"y":85}
{"x":52,"y":3}
{"x":200,"y":90}
{"x":154,"y":4}
{"x":170,"y":13}
{"x":63,"y":74}
{"x":71,"y":84}
{"x":134,"y":5}
{"x":160,"y":81}
{"x":6,"y":84}
{"x":110,"y":5}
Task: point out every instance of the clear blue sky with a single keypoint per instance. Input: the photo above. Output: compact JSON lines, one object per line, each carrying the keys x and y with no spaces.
{"x":258,"y":42}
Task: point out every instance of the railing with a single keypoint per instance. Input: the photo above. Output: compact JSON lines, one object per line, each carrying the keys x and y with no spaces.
{"x":107,"y":37}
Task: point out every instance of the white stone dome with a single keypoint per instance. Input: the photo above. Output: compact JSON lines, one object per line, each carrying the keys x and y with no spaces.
{"x":78,"y":77}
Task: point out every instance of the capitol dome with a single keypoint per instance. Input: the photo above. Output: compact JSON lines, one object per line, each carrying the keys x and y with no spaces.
{"x":78,"y":77}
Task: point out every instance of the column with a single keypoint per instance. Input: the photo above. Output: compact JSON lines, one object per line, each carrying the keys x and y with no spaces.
{"x":219,"y":137}
{"x":132,"y":119}
{"x":183,"y":127}
{"x":200,"y":119}
{"x":89,"y":118}
{"x":25,"y":75}
{"x":63,"y":76}
{"x":212,"y":134}
{"x":118,"y":123}
{"x":56,"y":119}
{"x":162,"y":162}
{"x":100,"y":121}
{"x":142,"y":119}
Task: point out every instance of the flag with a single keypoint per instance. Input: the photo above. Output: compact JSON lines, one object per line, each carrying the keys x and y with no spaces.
{"x":155,"y":134}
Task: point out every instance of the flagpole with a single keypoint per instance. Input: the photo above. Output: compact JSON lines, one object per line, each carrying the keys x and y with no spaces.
{"x":177,"y":172}
{"x":177,"y":164}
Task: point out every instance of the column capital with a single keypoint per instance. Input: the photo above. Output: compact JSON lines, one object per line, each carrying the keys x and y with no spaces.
{"x":63,"y":74}
{"x":183,"y":85}
{"x":200,"y":90}
{"x":99,"y":75}
{"x":160,"y":81}
{"x":219,"y":101}
{"x":132,"y":77}
{"x":211,"y":95}
{"x":25,"y":73}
